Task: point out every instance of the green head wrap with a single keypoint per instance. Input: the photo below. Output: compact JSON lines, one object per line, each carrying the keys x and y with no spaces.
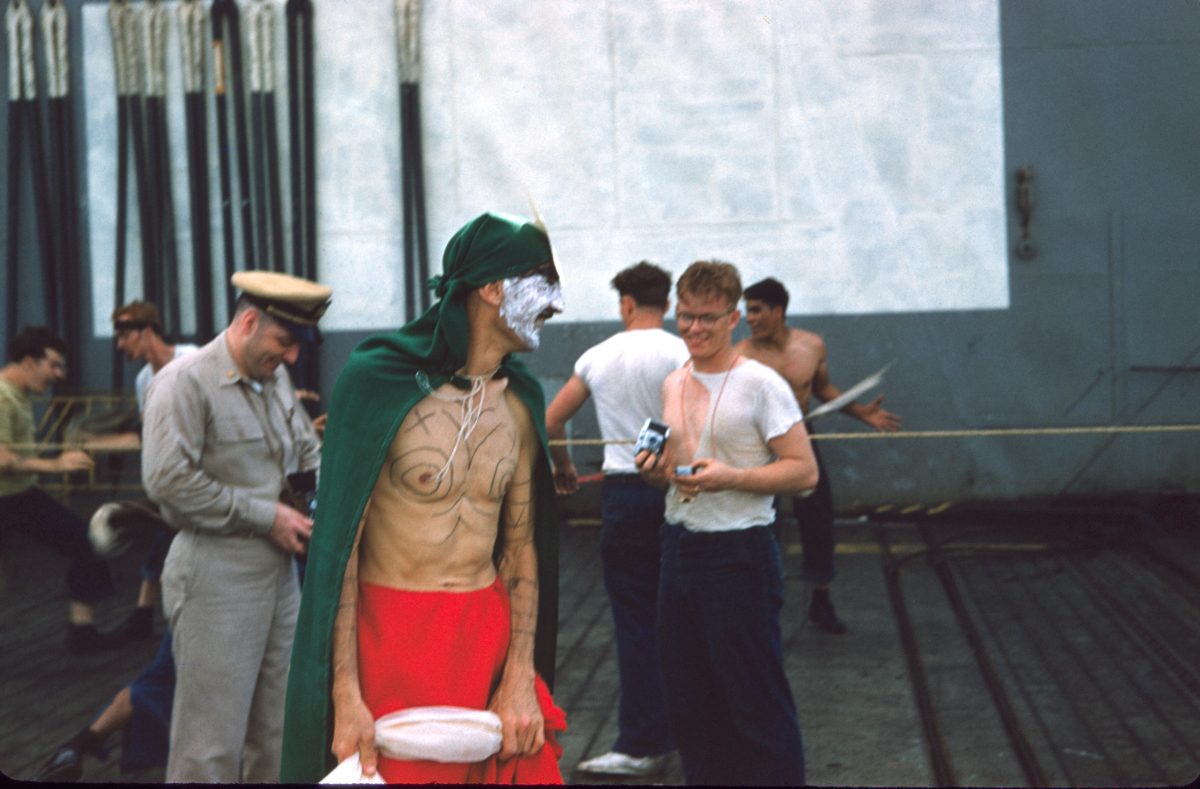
{"x":374,"y":392}
{"x":489,"y":248}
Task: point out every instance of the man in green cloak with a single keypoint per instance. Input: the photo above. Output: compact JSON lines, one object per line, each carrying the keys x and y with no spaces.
{"x":435,"y":518}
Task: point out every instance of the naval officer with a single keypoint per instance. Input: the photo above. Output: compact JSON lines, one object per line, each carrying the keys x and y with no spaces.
{"x":223,"y":430}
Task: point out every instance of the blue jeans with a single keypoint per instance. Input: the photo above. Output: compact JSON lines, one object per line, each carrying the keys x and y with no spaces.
{"x":728,"y":699}
{"x":153,"y":692}
{"x":632,"y":513}
{"x":44,"y":519}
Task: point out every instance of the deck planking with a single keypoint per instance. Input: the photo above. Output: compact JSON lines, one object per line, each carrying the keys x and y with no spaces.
{"x":1088,"y":634}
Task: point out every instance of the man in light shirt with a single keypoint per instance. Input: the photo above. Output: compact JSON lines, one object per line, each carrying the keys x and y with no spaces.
{"x":625,"y":374}
{"x":139,"y":336}
{"x":737,"y":440}
{"x":36,"y":360}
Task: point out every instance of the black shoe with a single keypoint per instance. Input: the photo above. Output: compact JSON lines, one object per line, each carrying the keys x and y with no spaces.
{"x":65,"y":766}
{"x":85,"y":639}
{"x":139,"y":625}
{"x":821,"y":614}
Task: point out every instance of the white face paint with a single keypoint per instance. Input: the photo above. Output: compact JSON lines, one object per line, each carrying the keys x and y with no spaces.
{"x":525,"y":300}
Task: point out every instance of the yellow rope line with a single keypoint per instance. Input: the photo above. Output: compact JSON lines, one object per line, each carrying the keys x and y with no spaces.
{"x":1016,"y":431}
{"x":976,"y":433}
{"x":58,"y":445}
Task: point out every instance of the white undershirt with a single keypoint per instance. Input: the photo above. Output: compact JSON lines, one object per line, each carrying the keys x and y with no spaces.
{"x":756,"y":406}
{"x":146,"y":373}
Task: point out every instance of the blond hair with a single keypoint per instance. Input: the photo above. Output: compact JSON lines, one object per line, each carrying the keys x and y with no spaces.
{"x":710,"y":278}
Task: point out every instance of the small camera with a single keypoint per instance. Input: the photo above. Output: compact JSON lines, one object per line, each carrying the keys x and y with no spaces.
{"x":300,"y":492}
{"x":653,"y":437}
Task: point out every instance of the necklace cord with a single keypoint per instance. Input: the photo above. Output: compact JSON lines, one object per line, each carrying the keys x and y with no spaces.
{"x":470,"y":411}
{"x":712,"y":418}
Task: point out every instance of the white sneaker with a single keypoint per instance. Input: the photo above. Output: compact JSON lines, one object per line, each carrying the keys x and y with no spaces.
{"x":614,"y":763}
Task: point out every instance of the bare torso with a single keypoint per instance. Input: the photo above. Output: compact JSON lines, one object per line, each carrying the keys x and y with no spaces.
{"x":685,"y":409}
{"x":425,"y":533}
{"x":797,"y":360}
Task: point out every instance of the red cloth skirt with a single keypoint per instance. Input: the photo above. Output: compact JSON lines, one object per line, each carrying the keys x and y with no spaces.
{"x":433,"y":649}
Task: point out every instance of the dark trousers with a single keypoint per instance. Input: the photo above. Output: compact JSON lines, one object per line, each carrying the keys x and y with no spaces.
{"x":814,"y":521}
{"x":632,"y":513}
{"x":152,"y":567}
{"x":44,"y":519}
{"x":728,"y":699}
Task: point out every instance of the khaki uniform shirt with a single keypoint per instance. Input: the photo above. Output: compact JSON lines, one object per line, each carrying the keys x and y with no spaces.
{"x":217,"y":447}
{"x":16,"y":433}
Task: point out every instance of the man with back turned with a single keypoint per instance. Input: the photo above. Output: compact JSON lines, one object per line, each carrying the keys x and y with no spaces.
{"x":624,"y":374}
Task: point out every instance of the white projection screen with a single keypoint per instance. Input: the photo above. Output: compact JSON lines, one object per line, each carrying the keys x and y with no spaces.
{"x":852,"y":149}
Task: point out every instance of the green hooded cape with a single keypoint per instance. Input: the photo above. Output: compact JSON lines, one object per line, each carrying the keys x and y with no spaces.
{"x":372,"y":395}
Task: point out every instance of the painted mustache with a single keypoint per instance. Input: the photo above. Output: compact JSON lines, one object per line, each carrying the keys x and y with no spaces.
{"x":528,"y":302}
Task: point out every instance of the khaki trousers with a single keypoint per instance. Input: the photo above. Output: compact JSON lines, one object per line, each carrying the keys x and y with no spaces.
{"x":232,"y":604}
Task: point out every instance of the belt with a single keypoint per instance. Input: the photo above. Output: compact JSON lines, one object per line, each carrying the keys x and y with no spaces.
{"x":622,"y":479}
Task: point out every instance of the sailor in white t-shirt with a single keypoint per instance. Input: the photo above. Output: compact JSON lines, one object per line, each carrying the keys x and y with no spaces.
{"x":142,"y":381}
{"x":737,"y":440}
{"x":139,"y":336}
{"x":623,"y":375}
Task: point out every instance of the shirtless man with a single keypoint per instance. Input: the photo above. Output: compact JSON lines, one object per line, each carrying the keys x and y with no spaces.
{"x":799,"y":356}
{"x":439,"y":598}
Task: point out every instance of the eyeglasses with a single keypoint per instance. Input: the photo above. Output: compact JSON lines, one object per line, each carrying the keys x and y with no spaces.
{"x":706,"y":319}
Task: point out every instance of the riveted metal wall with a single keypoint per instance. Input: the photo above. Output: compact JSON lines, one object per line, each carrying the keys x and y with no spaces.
{"x":1102,"y":100}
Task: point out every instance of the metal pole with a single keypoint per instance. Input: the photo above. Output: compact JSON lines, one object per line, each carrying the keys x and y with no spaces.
{"x":418,"y":188}
{"x":125,"y":20}
{"x":12,"y":24}
{"x":58,"y":85}
{"x":262,"y":114}
{"x":191,"y":38}
{"x":299,"y":29}
{"x":167,"y":293}
{"x":26,"y":115}
{"x":227,"y":66}
{"x":122,"y":78}
{"x":416,"y":256}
